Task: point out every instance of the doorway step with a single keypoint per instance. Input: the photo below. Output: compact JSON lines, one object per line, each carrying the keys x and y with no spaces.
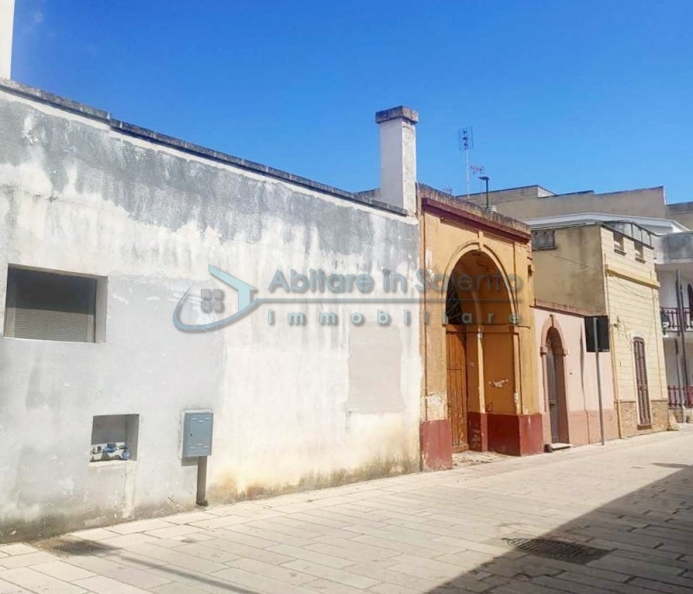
{"x":556,"y":447}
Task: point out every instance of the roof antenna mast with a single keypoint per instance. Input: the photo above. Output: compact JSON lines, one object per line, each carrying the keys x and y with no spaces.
{"x":466,"y":140}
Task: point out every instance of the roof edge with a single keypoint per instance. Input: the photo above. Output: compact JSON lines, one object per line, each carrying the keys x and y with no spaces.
{"x":465,"y":210}
{"x":105,"y":117}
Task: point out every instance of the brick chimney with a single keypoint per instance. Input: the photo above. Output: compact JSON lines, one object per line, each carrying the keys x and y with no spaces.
{"x":6,"y":27}
{"x":398,"y":157}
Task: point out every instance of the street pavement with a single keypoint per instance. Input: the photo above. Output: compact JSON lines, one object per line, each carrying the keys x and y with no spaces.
{"x":627,"y":507}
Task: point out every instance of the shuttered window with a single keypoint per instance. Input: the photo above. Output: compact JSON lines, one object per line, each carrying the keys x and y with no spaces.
{"x":544,"y":239}
{"x":644,"y":417}
{"x":49,"y":306}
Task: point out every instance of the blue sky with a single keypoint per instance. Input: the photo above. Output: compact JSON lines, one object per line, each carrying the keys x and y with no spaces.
{"x":569,"y":94}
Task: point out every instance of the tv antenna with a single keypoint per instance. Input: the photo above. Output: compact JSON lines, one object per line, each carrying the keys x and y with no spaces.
{"x":466,"y":139}
{"x":477,"y":171}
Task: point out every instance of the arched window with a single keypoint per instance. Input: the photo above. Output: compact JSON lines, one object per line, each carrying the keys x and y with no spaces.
{"x":453,"y":305}
{"x":644,"y":417}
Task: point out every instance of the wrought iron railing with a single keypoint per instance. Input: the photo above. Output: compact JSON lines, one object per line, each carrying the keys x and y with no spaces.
{"x":671,"y":322}
{"x":678,"y":396}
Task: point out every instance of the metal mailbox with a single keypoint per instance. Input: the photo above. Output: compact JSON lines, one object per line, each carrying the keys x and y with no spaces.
{"x":197,"y":434}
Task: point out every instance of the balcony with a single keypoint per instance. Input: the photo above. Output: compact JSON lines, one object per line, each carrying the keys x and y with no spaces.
{"x":680,"y":396}
{"x":671,"y":322}
{"x":674,"y":249}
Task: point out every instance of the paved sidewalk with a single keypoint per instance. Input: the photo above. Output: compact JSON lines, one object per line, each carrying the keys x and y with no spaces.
{"x":439,"y":532}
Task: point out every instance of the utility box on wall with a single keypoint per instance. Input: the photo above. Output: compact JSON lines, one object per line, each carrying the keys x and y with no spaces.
{"x":197,"y":434}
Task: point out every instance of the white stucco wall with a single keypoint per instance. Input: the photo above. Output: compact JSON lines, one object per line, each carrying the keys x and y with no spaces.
{"x":398,"y":158}
{"x":294,"y":406}
{"x":673,"y":367}
{"x":6,"y":34}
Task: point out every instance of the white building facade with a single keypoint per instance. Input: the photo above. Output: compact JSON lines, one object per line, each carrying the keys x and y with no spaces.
{"x":125,"y":257}
{"x":674,"y":254}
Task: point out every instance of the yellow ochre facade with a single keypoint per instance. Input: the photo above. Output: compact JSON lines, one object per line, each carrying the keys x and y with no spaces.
{"x":478,"y":339}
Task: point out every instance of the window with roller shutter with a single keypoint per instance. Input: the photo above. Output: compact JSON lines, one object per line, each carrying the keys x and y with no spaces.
{"x":50,"y":306}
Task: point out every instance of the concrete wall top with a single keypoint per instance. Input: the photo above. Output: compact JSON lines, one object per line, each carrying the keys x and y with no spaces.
{"x":509,"y":195}
{"x":646,"y":202}
{"x":474,"y":214}
{"x":105,"y":117}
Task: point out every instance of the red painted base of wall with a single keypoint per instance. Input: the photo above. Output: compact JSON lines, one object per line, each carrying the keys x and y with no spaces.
{"x":478,"y":431}
{"x":436,"y":445}
{"x":517,"y":435}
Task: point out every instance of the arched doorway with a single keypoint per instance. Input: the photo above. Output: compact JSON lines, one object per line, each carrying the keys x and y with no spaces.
{"x":555,"y":386}
{"x":479,"y":328}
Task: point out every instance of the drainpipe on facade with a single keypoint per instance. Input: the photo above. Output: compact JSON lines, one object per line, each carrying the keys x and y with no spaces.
{"x":422,"y":313}
{"x":617,"y":399}
{"x":679,"y":381}
{"x":612,"y":349}
{"x":682,"y":333}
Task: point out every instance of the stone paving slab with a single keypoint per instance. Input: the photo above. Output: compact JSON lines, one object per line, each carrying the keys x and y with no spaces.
{"x":436,"y":532}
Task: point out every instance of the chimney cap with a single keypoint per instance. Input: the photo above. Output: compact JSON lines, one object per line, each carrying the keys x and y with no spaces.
{"x":397,"y":113}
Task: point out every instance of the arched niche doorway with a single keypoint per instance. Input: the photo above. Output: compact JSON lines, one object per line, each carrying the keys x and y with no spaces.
{"x":554,"y":386}
{"x":479,"y":351}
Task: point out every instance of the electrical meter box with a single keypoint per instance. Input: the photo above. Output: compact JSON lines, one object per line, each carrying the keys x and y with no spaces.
{"x":197,"y":434}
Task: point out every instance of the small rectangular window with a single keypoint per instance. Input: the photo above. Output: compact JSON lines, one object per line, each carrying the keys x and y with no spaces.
{"x":544,"y":239}
{"x":619,"y":243}
{"x":114,"y":437}
{"x":50,"y":306}
{"x":639,"y":251}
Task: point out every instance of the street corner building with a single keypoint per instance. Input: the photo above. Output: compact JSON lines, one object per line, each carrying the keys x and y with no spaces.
{"x":587,"y":268}
{"x":478,"y":343}
{"x":618,"y":254}
{"x":107,"y":409}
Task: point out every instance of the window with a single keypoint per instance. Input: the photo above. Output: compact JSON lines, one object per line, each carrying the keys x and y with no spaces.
{"x":619,"y":243}
{"x":51,"y":306}
{"x":639,"y":251}
{"x":114,"y":437}
{"x":644,"y":417}
{"x":453,"y":306}
{"x":635,"y":232}
{"x":544,"y":239}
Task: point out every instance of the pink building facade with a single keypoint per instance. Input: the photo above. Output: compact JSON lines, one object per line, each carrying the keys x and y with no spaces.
{"x":567,"y":378}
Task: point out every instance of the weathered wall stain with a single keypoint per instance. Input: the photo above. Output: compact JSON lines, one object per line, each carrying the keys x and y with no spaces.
{"x":78,"y":195}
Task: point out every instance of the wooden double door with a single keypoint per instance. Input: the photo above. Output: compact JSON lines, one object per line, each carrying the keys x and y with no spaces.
{"x":457,"y":388}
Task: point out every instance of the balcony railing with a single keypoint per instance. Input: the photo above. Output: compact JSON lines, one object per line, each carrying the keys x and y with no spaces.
{"x":678,"y":396}
{"x":670,"y":319}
